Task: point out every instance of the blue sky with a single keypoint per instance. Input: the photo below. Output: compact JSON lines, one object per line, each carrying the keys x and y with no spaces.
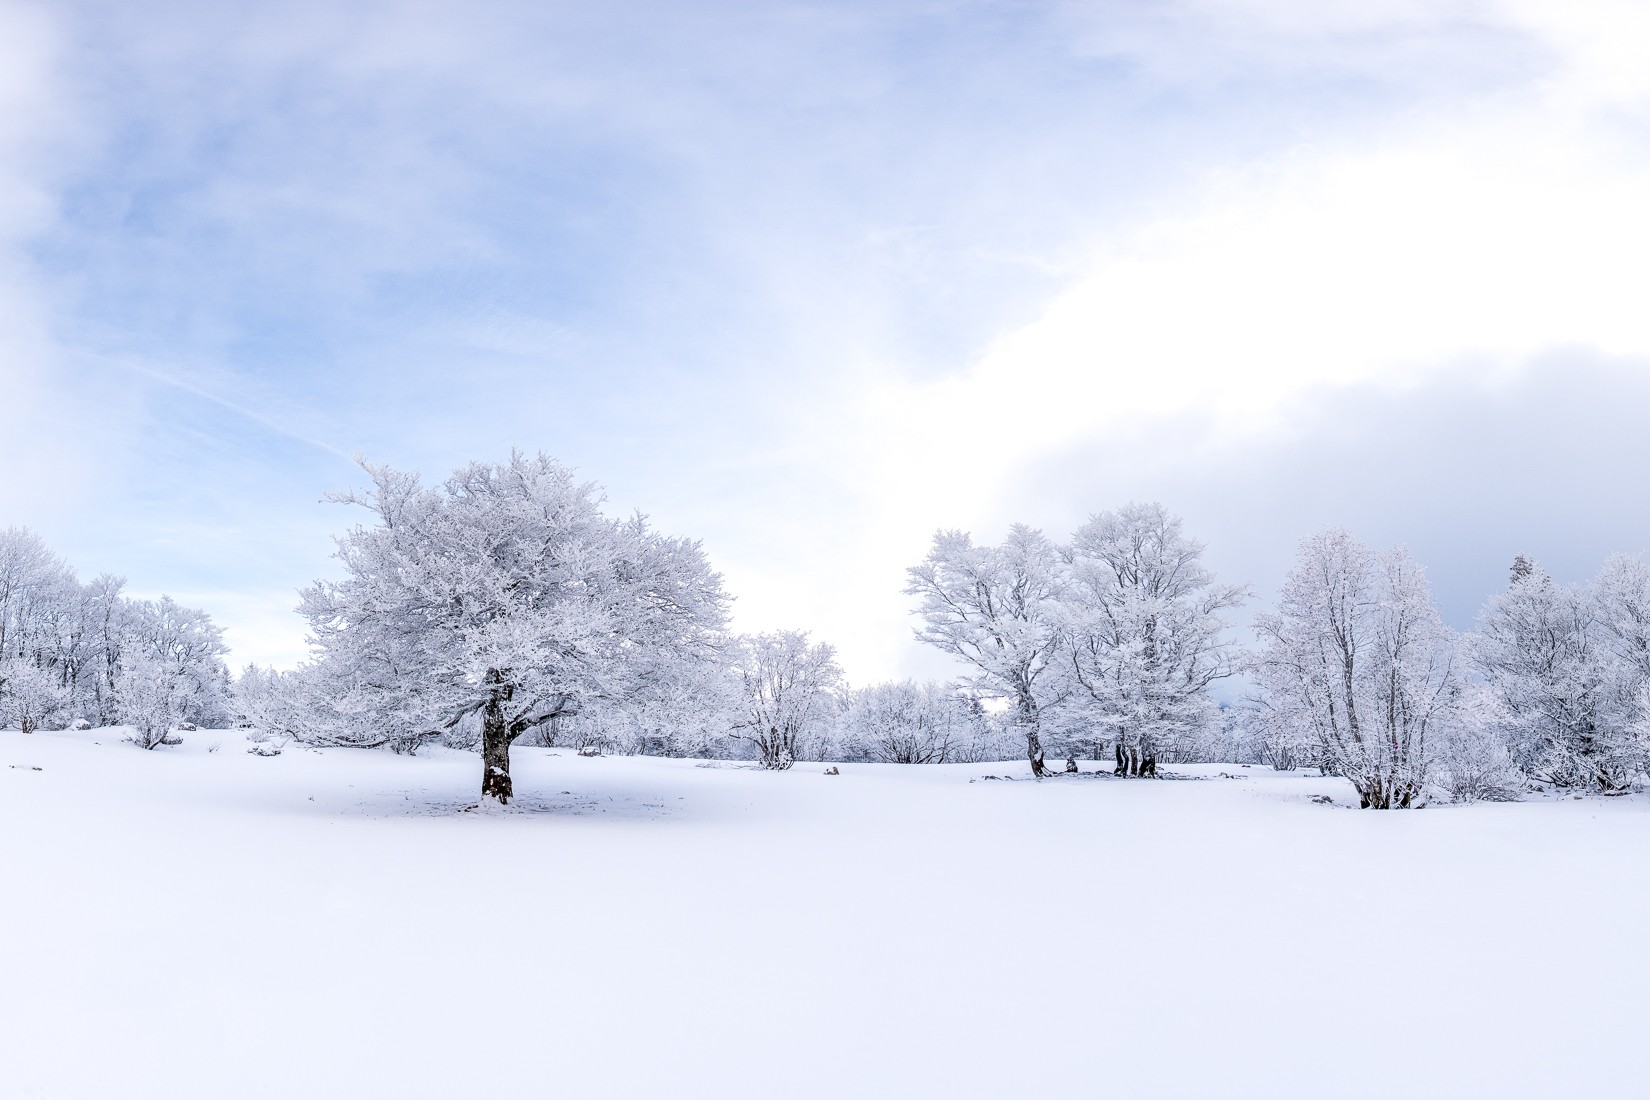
{"x":807,"y":281}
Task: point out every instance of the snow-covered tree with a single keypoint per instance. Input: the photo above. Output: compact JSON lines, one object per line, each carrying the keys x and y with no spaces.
{"x":998,"y":609}
{"x":1146,"y":633}
{"x":1544,"y":658}
{"x":29,"y":696}
{"x":788,"y":686}
{"x":505,"y":594}
{"x":1357,"y":654}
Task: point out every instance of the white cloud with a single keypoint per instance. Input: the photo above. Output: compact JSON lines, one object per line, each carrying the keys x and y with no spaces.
{"x":1487,"y":233}
{"x":1466,"y":240}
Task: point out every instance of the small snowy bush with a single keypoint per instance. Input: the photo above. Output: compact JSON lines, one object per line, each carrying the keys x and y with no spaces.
{"x":150,"y":698}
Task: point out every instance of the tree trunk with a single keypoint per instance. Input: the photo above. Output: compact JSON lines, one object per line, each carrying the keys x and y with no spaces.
{"x":1034,"y":751}
{"x":495,"y":755}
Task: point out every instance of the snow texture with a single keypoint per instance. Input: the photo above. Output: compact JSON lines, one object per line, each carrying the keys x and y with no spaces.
{"x":337,"y":923}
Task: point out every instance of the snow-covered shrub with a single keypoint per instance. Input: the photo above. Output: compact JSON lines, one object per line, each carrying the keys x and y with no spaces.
{"x":988,"y":737}
{"x":1227,"y":739}
{"x":271,"y":704}
{"x":151,"y":694}
{"x":1473,"y":763}
{"x":903,"y":723}
{"x":1275,"y":730}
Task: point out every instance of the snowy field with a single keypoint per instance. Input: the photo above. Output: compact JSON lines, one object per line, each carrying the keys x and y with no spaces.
{"x":200,"y":923}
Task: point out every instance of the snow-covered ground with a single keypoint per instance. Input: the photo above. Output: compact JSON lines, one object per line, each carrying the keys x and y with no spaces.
{"x":197,"y":923}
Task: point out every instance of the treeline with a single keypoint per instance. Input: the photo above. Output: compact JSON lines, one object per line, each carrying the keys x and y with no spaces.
{"x":74,"y":652}
{"x":503,"y":606}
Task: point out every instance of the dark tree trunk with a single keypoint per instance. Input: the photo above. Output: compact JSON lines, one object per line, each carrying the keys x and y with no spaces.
{"x":495,"y":753}
{"x":1034,"y":752}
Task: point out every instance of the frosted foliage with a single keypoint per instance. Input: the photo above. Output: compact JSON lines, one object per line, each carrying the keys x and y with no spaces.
{"x":153,"y":695}
{"x":1146,"y":634}
{"x":273,"y":702}
{"x":1473,"y":761}
{"x":505,"y":595}
{"x":788,"y":687}
{"x":189,"y":647}
{"x":29,"y":696}
{"x":1568,"y":667}
{"x":679,"y":709}
{"x":908,"y":723}
{"x":75,"y":634}
{"x":998,"y":609}
{"x":1357,"y":659}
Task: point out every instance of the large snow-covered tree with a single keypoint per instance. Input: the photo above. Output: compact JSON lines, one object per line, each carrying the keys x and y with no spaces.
{"x":503,"y":593}
{"x":1146,"y":632}
{"x":1356,"y":652}
{"x":788,"y":687}
{"x":998,"y":609}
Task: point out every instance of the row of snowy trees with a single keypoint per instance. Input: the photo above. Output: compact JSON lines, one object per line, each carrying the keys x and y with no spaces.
{"x":80,"y":651}
{"x":504,"y":604}
{"x":1116,"y":637}
{"x":1359,"y":676}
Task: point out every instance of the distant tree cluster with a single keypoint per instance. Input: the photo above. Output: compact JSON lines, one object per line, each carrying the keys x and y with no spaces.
{"x":73,"y":651}
{"x":1358,"y":676}
{"x":1113,"y":638}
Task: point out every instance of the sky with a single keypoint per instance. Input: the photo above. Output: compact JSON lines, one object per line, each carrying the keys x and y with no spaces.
{"x":810,"y":281}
